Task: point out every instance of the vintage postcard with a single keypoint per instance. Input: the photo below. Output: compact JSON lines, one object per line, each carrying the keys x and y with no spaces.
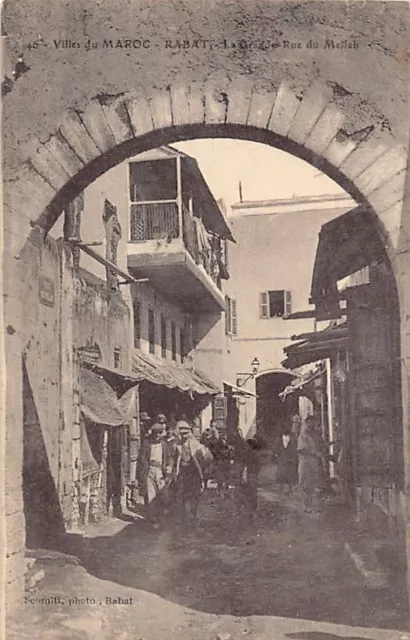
{"x":206,"y":319}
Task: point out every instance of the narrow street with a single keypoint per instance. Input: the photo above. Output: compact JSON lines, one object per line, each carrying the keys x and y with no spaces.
{"x":225,"y":576}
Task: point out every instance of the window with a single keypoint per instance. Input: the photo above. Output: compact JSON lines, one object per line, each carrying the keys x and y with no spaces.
{"x":153,"y":180}
{"x":173,"y":341}
{"x":275,"y":304}
{"x":163,"y":337}
{"x":117,"y":358}
{"x":231,"y":318}
{"x":151,"y":330}
{"x":137,"y":323}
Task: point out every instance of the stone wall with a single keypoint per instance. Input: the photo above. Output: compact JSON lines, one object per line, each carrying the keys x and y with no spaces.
{"x":34,"y":485}
{"x":345,"y":110}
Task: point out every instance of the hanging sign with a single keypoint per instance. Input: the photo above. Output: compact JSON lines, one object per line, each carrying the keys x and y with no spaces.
{"x":46,"y":291}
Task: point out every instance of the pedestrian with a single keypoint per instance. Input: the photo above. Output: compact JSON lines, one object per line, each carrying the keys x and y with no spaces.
{"x":287,"y":460}
{"x":155,"y":467}
{"x":172,"y":440}
{"x":222,"y":455}
{"x":209,"y":439}
{"x":145,"y":422}
{"x":310,"y":449}
{"x":189,"y":474}
{"x":296,"y":425}
{"x":161,"y":419}
{"x":248,"y":488}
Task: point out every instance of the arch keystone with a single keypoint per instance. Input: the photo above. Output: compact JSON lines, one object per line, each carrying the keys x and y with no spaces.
{"x":77,"y":136}
{"x":284,"y":109}
{"x":312,"y":105}
{"x":239,"y":100}
{"x":96,"y":123}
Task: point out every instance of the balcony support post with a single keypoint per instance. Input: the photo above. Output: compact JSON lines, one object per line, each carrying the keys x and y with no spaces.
{"x":179,"y":197}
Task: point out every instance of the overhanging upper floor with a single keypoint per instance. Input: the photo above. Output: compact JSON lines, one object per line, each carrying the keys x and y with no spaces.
{"x":178,"y":233}
{"x":171,"y":269}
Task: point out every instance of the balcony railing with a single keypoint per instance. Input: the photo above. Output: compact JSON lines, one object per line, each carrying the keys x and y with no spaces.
{"x":159,"y":220}
{"x":154,"y":220}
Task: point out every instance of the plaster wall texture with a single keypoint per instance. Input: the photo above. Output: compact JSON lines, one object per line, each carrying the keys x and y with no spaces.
{"x":40,"y":416}
{"x":78,"y":74}
{"x":343,"y":110}
{"x":273,"y":252}
{"x":149,"y":298}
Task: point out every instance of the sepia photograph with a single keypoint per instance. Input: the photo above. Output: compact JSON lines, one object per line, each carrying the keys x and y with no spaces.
{"x":206,"y":320}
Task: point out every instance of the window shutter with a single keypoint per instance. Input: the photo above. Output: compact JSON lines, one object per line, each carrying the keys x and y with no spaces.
{"x":227,"y":315}
{"x":219,"y":413}
{"x":288,"y":303}
{"x":137,"y":324}
{"x":234,"y":318}
{"x":263,"y":304}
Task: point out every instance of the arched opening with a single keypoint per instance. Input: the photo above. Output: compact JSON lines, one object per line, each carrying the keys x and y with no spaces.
{"x":271,"y":412}
{"x":273,"y":415}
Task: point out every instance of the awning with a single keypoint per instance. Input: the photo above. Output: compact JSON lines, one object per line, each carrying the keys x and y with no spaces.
{"x":346,"y":244}
{"x":298,"y":386}
{"x":99,"y":402}
{"x":319,"y":346}
{"x":116,"y":378}
{"x":89,"y":460}
{"x":239,"y":391}
{"x":170,"y":374}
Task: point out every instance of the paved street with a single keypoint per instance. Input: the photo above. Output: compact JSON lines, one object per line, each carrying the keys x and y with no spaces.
{"x":285,"y":575}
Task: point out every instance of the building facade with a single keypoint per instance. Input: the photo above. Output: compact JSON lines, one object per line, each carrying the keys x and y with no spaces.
{"x":126,"y":293}
{"x":267,"y":299}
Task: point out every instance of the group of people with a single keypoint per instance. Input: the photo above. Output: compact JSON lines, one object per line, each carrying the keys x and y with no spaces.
{"x":174,"y":467}
{"x":301,"y":457}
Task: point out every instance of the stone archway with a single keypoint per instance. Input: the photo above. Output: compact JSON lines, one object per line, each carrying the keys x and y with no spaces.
{"x":369,"y":164}
{"x":272,"y":415}
{"x":61,"y":137}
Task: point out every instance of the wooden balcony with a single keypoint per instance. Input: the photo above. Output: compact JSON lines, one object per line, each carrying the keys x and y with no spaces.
{"x":180,"y":258}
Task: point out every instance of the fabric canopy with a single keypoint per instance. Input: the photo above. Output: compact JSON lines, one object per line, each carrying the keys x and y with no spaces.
{"x":99,"y":402}
{"x":171,"y":375}
{"x":89,"y":463}
{"x":115,"y":377}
